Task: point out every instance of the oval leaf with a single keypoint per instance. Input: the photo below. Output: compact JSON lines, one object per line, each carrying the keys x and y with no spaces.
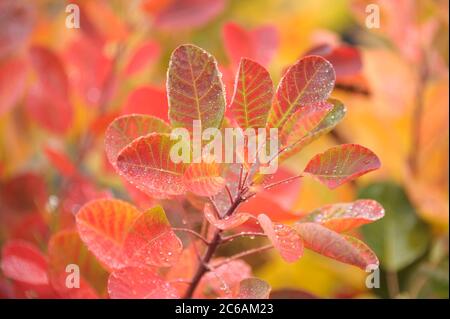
{"x":346,"y":216}
{"x":151,"y":241}
{"x":253,"y":93}
{"x":194,"y":88}
{"x":341,"y":164}
{"x":226,"y":223}
{"x":124,"y":129}
{"x":203,"y":178}
{"x":103,"y":225}
{"x":343,"y":248}
{"x":146,"y":162}
{"x":24,"y":262}
{"x":253,"y":288}
{"x":139,"y":283}
{"x":309,"y":81}
{"x":284,"y":238}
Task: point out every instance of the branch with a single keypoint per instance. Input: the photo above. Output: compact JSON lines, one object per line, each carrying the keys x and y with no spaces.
{"x":243,"y":254}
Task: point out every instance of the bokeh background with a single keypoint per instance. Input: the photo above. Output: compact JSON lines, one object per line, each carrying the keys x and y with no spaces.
{"x":60,"y":87}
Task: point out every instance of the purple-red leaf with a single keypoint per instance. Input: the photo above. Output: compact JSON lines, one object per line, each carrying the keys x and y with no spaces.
{"x":253,"y":93}
{"x":343,"y":248}
{"x":284,"y":238}
{"x":151,"y":241}
{"x":309,"y":81}
{"x":146,"y":163}
{"x":103,"y":226}
{"x":346,"y":216}
{"x":194,"y":88}
{"x":139,"y":283}
{"x":341,"y":164}
{"x":123,"y":130}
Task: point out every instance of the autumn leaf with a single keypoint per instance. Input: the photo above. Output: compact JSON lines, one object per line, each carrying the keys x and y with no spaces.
{"x":146,"y":163}
{"x":228,"y":222}
{"x":124,"y":129}
{"x":24,"y":262}
{"x":103,"y":226}
{"x":150,"y":240}
{"x":253,"y":288}
{"x":194,"y":88}
{"x":343,"y":217}
{"x":341,"y":164}
{"x":284,"y":238}
{"x":308,"y":81}
{"x":148,"y":100}
{"x":142,"y":56}
{"x":253,"y":93}
{"x":13,"y":73}
{"x":204,"y":179}
{"x":343,"y":248}
{"x":139,"y":283}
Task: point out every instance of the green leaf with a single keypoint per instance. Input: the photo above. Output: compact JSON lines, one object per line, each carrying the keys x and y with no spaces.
{"x":400,"y":237}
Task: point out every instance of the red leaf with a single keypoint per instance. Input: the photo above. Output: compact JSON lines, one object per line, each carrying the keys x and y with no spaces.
{"x":204,"y":179}
{"x":284,"y":238}
{"x":125,"y":129}
{"x":343,"y":248}
{"x":194,"y":88}
{"x":16,"y":24}
{"x":139,"y":102}
{"x":146,"y":163}
{"x":24,"y":262}
{"x":60,"y":161}
{"x":309,"y":81}
{"x":12,"y":82}
{"x":259,"y":44}
{"x":103,"y":225}
{"x":183,"y":14}
{"x":341,"y":164}
{"x":253,"y":288}
{"x":144,"y":55}
{"x":139,"y":283}
{"x":65,"y":248}
{"x":226,"y":223}
{"x":253,"y":93}
{"x":346,"y":216}
{"x":223,"y":280}
{"x":151,"y":241}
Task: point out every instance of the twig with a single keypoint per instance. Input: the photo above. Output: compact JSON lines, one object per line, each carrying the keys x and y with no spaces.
{"x":243,"y":234}
{"x":244,"y":254}
{"x":192,"y":232}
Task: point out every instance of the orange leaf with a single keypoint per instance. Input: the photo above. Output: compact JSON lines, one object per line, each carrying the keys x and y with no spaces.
{"x":151,"y":241}
{"x":343,"y":248}
{"x":341,"y":164}
{"x":103,"y":225}
{"x":346,"y":216}
{"x":226,"y":223}
{"x":203,"y":178}
{"x":284,"y":238}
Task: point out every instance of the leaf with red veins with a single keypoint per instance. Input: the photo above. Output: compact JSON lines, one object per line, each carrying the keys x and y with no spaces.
{"x":66,"y":248}
{"x":253,"y":94}
{"x":151,"y":241}
{"x":223,"y":281}
{"x":309,"y":81}
{"x":125,"y":129}
{"x":194,"y":88}
{"x":284,"y":238}
{"x":343,"y":217}
{"x":341,"y":164}
{"x":329,"y":243}
{"x":103,"y":226}
{"x":147,"y":163}
{"x":204,"y":179}
{"x":226,"y":223}
{"x":253,"y":288}
{"x":139,"y":283}
{"x":24,"y":262}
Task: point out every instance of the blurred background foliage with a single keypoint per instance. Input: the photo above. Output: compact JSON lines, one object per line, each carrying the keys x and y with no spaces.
{"x":397,"y":106}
